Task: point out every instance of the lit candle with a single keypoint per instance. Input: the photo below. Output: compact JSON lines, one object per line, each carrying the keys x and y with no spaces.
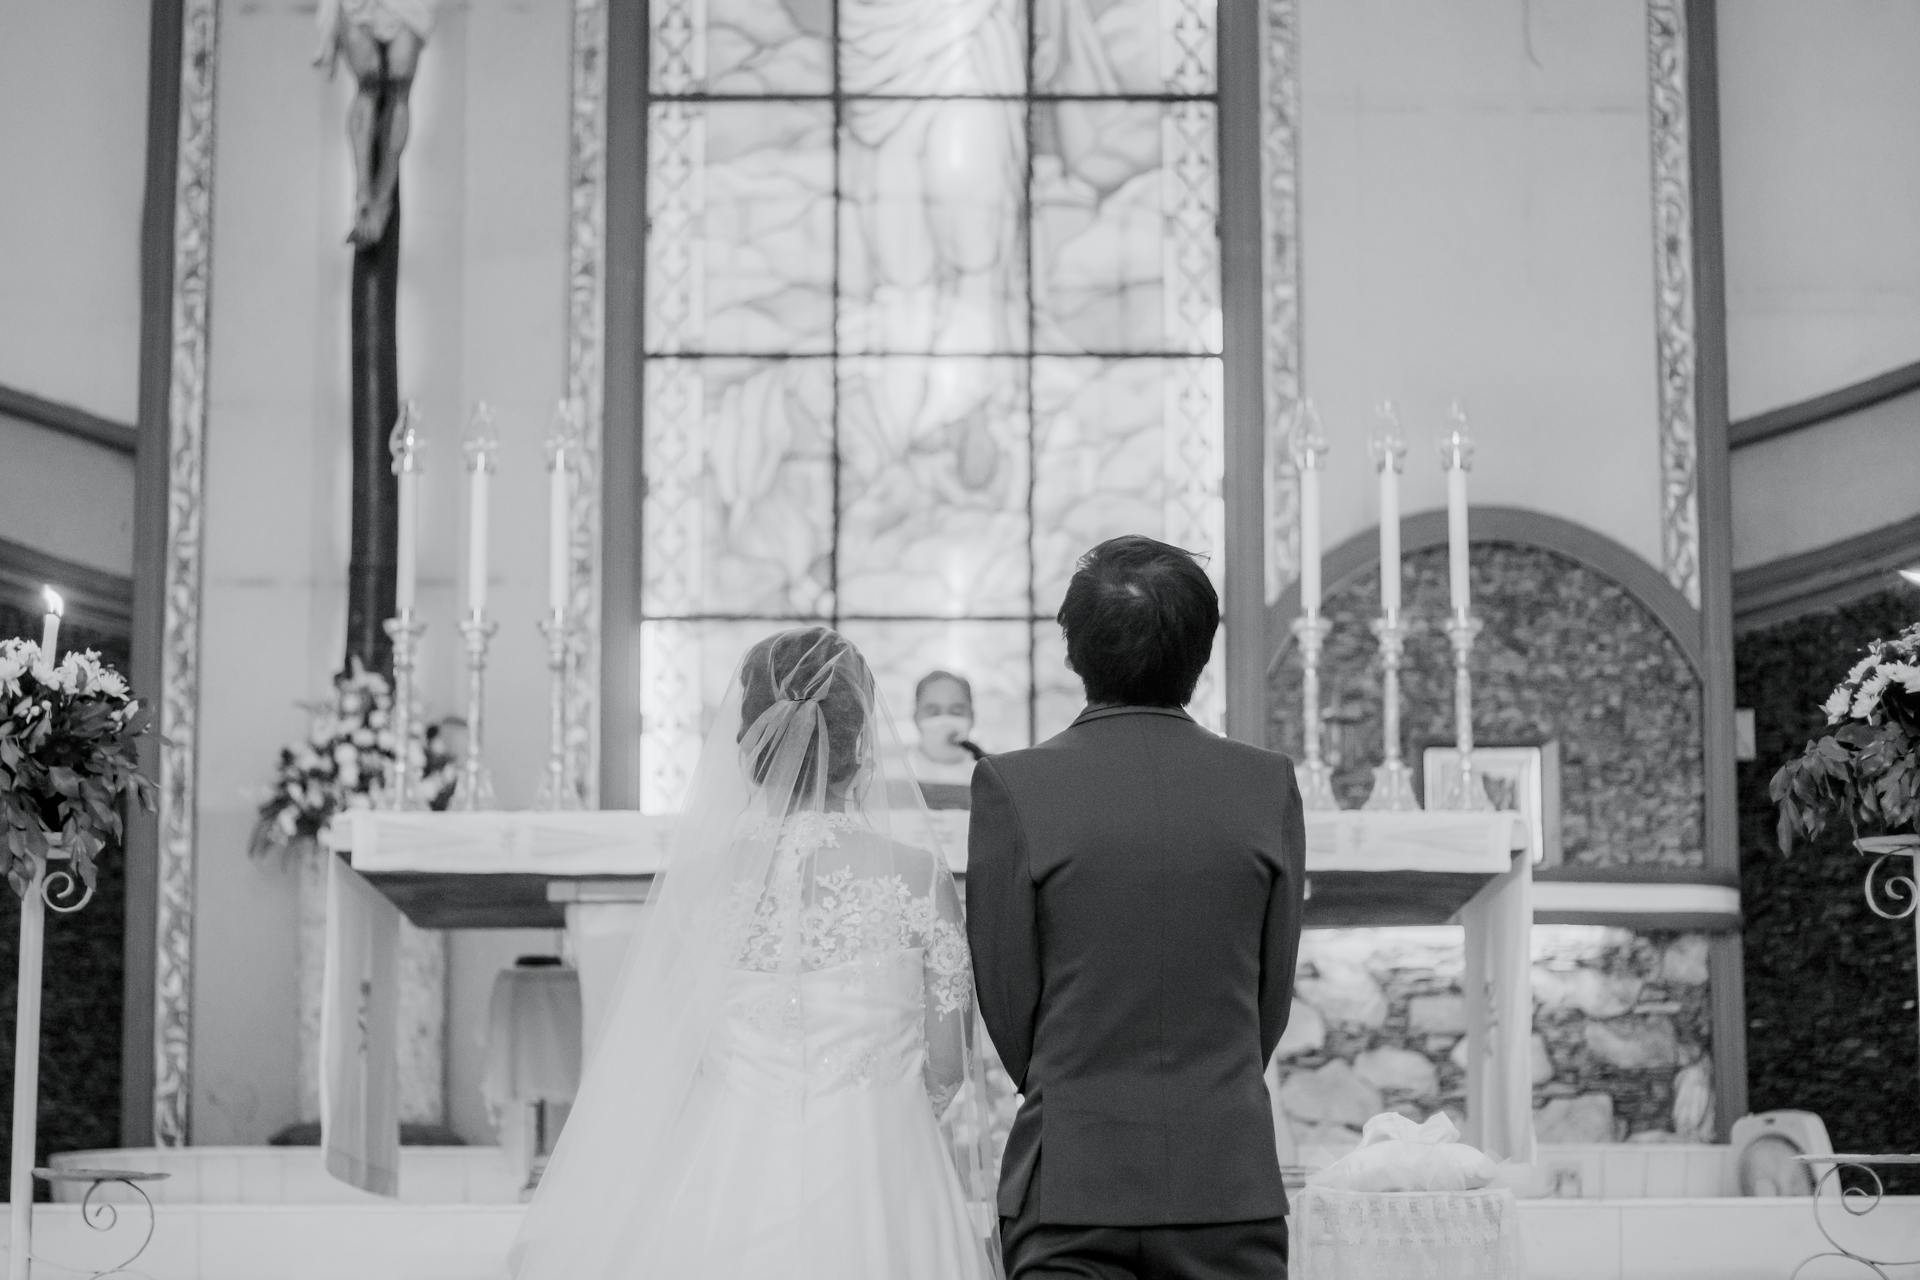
{"x":50,"y":629}
{"x":1388,"y":450}
{"x":404,"y":444}
{"x":1309,"y":449}
{"x":559,"y":535}
{"x":479,"y":472}
{"x":1456,"y":454}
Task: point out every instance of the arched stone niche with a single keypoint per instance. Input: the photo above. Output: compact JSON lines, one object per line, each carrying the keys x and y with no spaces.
{"x":1582,"y":644}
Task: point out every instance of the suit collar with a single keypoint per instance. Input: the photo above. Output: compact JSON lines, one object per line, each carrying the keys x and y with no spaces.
{"x":1107,"y":713}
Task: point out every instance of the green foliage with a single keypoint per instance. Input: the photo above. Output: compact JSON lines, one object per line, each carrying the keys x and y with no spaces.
{"x":1867,"y":769}
{"x":83,"y":994}
{"x":1830,"y":987}
{"x":68,"y":758}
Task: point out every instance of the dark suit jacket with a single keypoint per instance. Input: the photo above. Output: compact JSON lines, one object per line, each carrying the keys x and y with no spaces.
{"x":1133,"y":900}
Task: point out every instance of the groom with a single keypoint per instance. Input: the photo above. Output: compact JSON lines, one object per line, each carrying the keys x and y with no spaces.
{"x":1134,"y":892}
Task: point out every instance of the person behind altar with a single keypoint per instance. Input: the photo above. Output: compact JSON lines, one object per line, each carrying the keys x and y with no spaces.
{"x":943,"y":754}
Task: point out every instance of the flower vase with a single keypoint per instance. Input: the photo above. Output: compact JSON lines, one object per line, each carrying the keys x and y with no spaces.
{"x":423,"y":1001}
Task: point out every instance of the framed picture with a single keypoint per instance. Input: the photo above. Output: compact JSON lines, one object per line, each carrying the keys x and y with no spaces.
{"x":1523,"y":779}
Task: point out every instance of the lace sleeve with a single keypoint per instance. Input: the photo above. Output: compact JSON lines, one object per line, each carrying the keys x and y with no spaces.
{"x":947,"y":995}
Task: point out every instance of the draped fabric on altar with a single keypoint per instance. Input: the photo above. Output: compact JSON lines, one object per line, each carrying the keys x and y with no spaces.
{"x":360,"y":1035}
{"x":795,"y":1012}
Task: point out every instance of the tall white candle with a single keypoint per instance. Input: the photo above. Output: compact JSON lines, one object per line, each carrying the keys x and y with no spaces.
{"x":1309,"y":447}
{"x":1388,"y":449}
{"x":1456,"y":453}
{"x":50,"y":628}
{"x":479,"y":482}
{"x":559,"y":536}
{"x":405,"y":445}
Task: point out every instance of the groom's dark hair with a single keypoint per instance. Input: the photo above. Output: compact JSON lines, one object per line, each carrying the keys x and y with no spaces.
{"x":1140,"y":617}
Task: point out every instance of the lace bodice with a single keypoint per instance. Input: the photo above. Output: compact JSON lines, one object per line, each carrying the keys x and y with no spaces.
{"x":852,"y":967}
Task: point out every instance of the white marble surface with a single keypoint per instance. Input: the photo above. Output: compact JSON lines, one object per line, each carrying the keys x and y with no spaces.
{"x":1671,"y":1239}
{"x":628,"y":843}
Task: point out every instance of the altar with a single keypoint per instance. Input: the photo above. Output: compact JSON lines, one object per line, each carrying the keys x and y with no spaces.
{"x":590,"y":873}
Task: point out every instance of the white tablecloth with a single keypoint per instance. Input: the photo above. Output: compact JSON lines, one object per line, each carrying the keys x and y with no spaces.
{"x":533,"y":1038}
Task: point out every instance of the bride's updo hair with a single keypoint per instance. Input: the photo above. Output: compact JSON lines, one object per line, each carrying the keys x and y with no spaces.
{"x":817,"y":665}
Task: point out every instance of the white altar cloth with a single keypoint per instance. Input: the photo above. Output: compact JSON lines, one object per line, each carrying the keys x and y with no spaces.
{"x":588,"y":844}
{"x":593,"y":869}
{"x":618,"y":842}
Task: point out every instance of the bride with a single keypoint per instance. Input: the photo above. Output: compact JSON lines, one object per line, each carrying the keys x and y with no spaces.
{"x":794,"y":1017}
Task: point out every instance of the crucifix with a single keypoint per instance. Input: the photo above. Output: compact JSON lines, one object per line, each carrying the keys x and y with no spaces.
{"x":380,"y":41}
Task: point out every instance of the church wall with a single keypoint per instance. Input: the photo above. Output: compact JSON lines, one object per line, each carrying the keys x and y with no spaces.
{"x":1476,"y":222}
{"x":1820,"y":165}
{"x":66,"y":497}
{"x":73,"y":94}
{"x":1812,"y":488}
{"x":481,"y":317}
{"x":271,"y":492}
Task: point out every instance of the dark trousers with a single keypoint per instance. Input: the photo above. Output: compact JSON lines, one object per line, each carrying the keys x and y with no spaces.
{"x":1215,"y":1251}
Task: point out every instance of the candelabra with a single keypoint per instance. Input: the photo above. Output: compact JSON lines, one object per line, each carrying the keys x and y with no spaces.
{"x":556,"y":788}
{"x":405,"y":631}
{"x":1466,"y":792}
{"x":1392,"y":780}
{"x":404,"y":628}
{"x":476,"y":784}
{"x":1316,"y":778}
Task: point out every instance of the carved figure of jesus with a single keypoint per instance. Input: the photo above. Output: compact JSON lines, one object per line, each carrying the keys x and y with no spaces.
{"x":381,"y":42}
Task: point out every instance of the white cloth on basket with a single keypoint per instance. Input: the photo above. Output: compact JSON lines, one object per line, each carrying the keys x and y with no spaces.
{"x":1412,"y":1203}
{"x":1395,"y":1154}
{"x":1406,"y":1235}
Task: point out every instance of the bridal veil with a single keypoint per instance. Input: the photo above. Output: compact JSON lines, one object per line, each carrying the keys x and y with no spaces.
{"x":803,"y":848}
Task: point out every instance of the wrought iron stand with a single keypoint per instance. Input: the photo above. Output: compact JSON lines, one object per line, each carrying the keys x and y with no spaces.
{"x":1857,"y":1203}
{"x":104,"y":1215}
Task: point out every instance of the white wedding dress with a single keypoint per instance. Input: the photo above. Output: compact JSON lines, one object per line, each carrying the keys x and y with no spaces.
{"x":794,"y":1015}
{"x":822,"y":1153}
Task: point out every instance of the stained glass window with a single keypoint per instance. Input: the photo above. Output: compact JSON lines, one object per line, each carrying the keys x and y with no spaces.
{"x":932,"y":306}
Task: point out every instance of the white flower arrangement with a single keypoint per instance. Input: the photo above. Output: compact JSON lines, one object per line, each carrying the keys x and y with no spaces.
{"x":1868,"y":767}
{"x":68,"y":759}
{"x":346,"y":763}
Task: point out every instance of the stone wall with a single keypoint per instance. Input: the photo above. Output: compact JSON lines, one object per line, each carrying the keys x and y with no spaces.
{"x":1565,"y":654}
{"x":1620,"y":1033}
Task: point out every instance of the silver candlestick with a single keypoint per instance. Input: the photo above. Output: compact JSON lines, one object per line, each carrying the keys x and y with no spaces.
{"x":1392,"y":780}
{"x":556,"y":788}
{"x":404,"y":631}
{"x":476,"y":783}
{"x":1316,"y":779}
{"x":1466,"y":792}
